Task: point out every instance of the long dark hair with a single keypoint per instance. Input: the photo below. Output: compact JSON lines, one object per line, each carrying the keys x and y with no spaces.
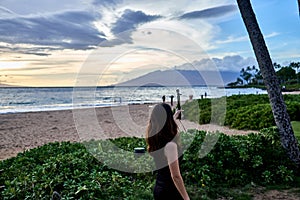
{"x":161,"y":128}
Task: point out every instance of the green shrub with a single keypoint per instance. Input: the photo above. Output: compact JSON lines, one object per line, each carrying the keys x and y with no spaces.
{"x":254,"y":117}
{"x":249,"y":112}
{"x":238,"y":160}
{"x":69,"y":169}
{"x":72,"y":171}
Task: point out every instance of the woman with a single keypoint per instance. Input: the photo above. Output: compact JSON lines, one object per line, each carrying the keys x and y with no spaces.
{"x":163,"y":144}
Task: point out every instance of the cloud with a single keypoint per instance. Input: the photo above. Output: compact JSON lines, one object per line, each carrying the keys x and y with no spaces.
{"x":67,"y":29}
{"x":131,"y":19}
{"x":210,"y":12}
{"x":234,"y":63}
{"x":24,"y":7}
{"x":106,"y":2}
{"x":271,"y":35}
{"x":25,"y":49}
{"x":6,"y":13}
{"x":125,"y":25}
{"x":232,"y":39}
{"x":228,"y":63}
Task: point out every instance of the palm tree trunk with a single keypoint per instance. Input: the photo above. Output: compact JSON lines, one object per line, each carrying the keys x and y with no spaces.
{"x":299,"y":6}
{"x":280,"y":114}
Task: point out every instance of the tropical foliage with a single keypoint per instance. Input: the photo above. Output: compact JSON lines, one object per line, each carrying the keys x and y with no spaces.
{"x":289,"y":76}
{"x":252,"y":112}
{"x":73,"y":172}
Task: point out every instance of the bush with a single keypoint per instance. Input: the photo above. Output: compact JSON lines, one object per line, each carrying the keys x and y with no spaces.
{"x":239,"y":160}
{"x":249,"y":112}
{"x":69,"y":169}
{"x":253,"y":117}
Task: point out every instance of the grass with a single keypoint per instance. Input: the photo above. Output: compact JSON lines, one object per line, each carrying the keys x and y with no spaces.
{"x":296,"y":128}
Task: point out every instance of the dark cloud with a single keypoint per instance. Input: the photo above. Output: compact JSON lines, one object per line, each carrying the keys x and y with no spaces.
{"x":210,"y":12}
{"x":106,"y":2}
{"x":39,"y":51}
{"x":36,"y":53}
{"x":65,"y":30}
{"x":131,"y":19}
{"x":69,"y":29}
{"x":122,"y":38}
{"x":128,"y":22}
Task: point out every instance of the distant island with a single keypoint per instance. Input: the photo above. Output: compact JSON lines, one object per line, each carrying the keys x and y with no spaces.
{"x":175,"y":77}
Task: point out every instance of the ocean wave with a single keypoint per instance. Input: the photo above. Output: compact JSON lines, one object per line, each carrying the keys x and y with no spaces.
{"x":19,"y":100}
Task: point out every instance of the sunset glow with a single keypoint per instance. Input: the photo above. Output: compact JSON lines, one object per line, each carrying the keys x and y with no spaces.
{"x":48,"y":45}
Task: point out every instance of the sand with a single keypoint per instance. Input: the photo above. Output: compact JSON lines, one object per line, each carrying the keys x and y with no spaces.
{"x":22,"y":131}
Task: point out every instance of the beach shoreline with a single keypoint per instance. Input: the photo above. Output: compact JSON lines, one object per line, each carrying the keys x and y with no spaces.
{"x":23,"y":131}
{"x":26,"y":130}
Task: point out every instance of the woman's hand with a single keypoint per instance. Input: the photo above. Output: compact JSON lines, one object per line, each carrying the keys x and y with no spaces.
{"x":177,"y":113}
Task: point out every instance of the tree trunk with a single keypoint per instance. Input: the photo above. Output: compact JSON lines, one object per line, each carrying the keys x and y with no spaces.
{"x":282,"y":119}
{"x":299,"y":6}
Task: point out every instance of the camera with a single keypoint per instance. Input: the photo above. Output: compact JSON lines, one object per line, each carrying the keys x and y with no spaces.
{"x":139,"y":151}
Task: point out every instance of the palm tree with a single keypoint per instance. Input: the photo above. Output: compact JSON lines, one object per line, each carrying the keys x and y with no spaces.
{"x":299,"y":6}
{"x":245,"y":75}
{"x":279,"y":110}
{"x":276,"y":65}
{"x":239,"y":81}
{"x":295,"y":65}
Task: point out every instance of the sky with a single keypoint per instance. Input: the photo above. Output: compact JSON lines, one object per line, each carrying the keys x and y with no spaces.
{"x":102,"y":42}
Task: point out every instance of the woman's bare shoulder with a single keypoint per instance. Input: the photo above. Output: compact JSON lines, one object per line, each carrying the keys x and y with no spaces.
{"x":171,"y":152}
{"x":170,"y":146}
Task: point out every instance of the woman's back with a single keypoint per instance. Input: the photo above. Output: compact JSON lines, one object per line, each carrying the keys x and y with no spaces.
{"x":164,"y":187}
{"x":163,"y":144}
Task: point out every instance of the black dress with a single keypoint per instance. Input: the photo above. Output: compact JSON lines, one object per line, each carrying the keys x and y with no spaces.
{"x":164,"y":188}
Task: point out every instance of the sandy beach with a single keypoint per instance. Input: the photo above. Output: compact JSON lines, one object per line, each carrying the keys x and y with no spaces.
{"x":22,"y":131}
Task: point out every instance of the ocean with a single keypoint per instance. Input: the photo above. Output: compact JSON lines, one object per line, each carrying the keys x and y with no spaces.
{"x":16,"y":100}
